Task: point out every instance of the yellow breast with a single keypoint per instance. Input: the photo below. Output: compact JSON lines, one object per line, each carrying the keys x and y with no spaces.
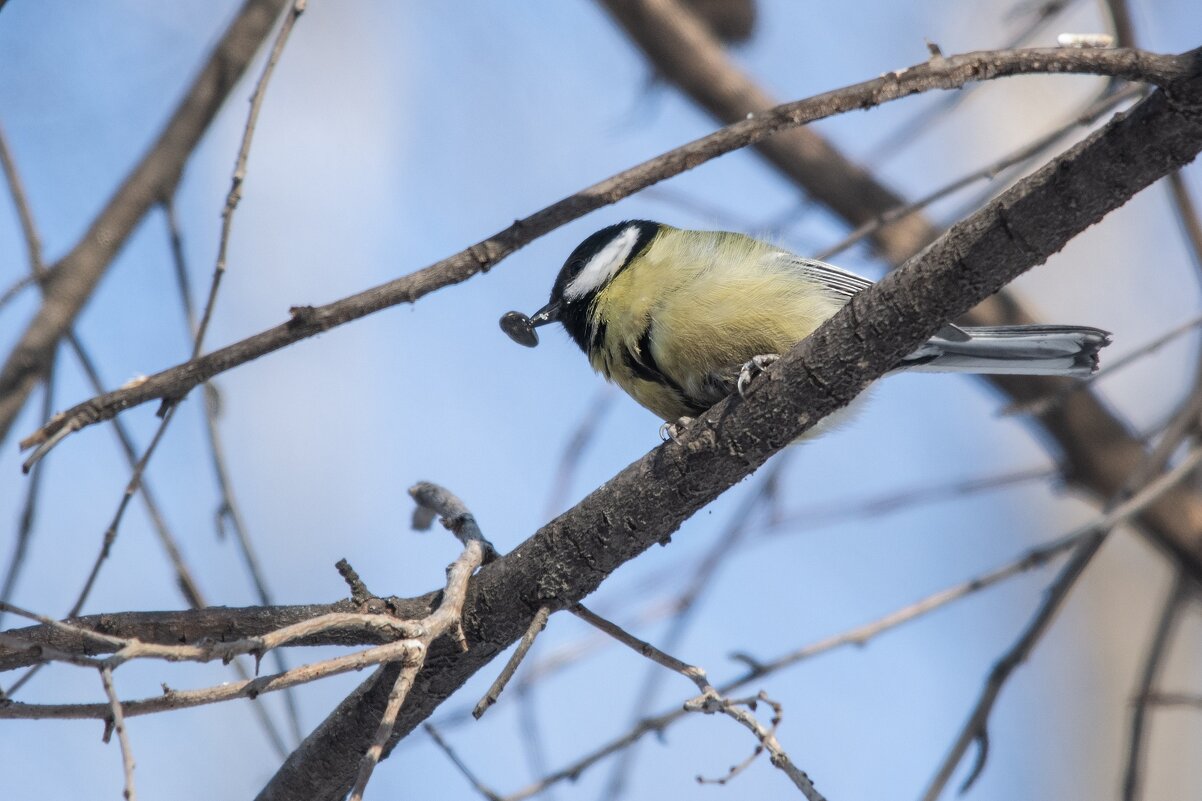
{"x":691,"y":309}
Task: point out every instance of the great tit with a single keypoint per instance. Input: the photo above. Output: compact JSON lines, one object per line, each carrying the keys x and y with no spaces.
{"x":680,"y":319}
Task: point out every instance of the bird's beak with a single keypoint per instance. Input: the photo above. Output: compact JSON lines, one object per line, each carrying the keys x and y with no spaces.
{"x":520,"y":328}
{"x":547,"y":314}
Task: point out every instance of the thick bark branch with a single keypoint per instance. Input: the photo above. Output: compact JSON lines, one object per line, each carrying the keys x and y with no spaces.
{"x":943,"y":73}
{"x":70,"y":283}
{"x":646,"y":502}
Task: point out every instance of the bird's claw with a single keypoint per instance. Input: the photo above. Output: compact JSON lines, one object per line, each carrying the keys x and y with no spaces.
{"x":755,"y":366}
{"x":670,"y":431}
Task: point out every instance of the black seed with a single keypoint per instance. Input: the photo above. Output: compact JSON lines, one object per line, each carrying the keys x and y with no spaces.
{"x":519,"y":328}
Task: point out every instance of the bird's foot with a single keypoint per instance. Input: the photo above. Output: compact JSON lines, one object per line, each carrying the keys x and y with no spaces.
{"x":752,"y":368}
{"x":670,"y":431}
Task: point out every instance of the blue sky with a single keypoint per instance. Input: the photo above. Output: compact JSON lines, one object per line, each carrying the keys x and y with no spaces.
{"x":397,"y":133}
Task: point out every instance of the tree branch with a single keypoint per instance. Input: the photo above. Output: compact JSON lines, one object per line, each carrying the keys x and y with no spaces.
{"x":69,"y":283}
{"x":307,"y":321}
{"x":1096,"y":448}
{"x":569,"y":557}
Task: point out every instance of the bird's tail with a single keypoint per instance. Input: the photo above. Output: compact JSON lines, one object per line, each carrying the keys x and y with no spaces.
{"x":1067,"y":350}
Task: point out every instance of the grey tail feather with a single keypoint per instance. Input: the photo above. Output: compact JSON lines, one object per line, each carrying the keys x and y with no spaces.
{"x":1067,"y":350}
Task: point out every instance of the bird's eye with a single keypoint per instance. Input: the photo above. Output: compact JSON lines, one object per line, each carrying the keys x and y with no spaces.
{"x":575,"y":266}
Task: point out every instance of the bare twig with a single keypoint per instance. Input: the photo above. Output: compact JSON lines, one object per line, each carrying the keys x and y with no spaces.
{"x":359,"y":592}
{"x":125,"y":649}
{"x":1187,"y":216}
{"x":1170,"y":615}
{"x":134,"y":482}
{"x":477,"y":785}
{"x":1094,"y":111}
{"x":400,"y":691}
{"x":235,"y":193}
{"x":397,"y":651}
{"x":799,"y":520}
{"x":29,"y":229}
{"x":711,"y":701}
{"x":228,"y":509}
{"x":975,"y":729}
{"x":70,"y":282}
{"x":813,"y":517}
{"x":494,"y":692}
{"x":33,"y":250}
{"x":185,"y":580}
{"x":308,"y":321}
{"x":1174,"y":699}
{"x":741,"y":710}
{"x":575,"y":448}
{"x":446,"y":619}
{"x":118,"y":724}
{"x":110,"y":533}
{"x":28,"y":509}
{"x":858,"y":636}
{"x":16,"y":288}
{"x":1041,"y":15}
{"x":644,"y":648}
{"x":686,"y":603}
{"x":1120,"y":18}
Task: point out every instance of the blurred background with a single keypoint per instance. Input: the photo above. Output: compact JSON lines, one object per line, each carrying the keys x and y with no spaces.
{"x":394,"y":134}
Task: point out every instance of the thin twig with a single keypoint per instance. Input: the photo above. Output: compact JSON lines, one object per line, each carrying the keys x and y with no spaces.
{"x":1166,"y":624}
{"x":905,"y":134}
{"x":686,"y":603}
{"x":110,"y":533}
{"x":809,"y":518}
{"x":644,"y":648}
{"x":28,"y":508}
{"x":118,"y":724}
{"x":173,"y":699}
{"x":16,"y":288}
{"x":710,"y":700}
{"x":37,"y":270}
{"x":400,"y":691}
{"x":1187,"y":216}
{"x":1092,"y":112}
{"x":228,"y":509}
{"x":799,"y":520}
{"x":477,"y":785}
{"x":1120,"y":19}
{"x":235,"y":193}
{"x":1174,"y":699}
{"x":29,"y":229}
{"x":76,"y":275}
{"x":741,"y":710}
{"x":445,"y":619}
{"x":494,"y":692}
{"x":575,"y":448}
{"x":975,"y":729}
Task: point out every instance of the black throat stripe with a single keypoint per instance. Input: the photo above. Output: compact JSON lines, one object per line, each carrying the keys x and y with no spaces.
{"x":645,"y":367}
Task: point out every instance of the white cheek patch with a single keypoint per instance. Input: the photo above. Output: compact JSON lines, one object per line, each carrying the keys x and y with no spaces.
{"x":604,"y":265}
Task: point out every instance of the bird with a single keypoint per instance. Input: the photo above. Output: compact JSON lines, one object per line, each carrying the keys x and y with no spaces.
{"x":680,"y":319}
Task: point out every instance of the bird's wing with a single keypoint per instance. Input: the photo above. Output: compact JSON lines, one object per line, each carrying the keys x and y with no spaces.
{"x":839,"y":282}
{"x":842,"y":284}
